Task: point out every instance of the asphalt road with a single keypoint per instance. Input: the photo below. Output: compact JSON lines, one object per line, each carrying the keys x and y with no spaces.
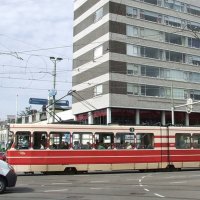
{"x":108,"y":186}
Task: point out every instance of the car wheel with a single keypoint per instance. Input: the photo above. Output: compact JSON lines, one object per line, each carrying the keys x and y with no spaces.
{"x":2,"y":185}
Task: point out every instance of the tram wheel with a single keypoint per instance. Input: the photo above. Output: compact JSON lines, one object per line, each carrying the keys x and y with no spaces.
{"x":70,"y":170}
{"x":171,"y":168}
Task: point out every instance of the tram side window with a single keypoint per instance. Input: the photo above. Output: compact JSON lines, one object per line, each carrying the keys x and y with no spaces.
{"x":59,"y":140}
{"x":39,"y":140}
{"x":125,"y":141}
{"x":23,"y":140}
{"x":183,"y":140}
{"x":10,"y":140}
{"x":196,"y":140}
{"x":145,"y":140}
{"x":104,"y":140}
{"x":82,"y":140}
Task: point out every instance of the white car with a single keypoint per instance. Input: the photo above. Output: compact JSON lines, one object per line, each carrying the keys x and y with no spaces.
{"x":8,"y":177}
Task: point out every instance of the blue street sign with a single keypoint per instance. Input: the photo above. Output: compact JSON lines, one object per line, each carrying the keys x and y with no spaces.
{"x":38,"y":101}
{"x":45,"y":102}
{"x":62,"y":103}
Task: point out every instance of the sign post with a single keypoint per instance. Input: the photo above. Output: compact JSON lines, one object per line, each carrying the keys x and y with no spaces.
{"x":189,"y":105}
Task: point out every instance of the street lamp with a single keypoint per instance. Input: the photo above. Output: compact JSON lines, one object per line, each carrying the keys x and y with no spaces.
{"x":54,"y":60}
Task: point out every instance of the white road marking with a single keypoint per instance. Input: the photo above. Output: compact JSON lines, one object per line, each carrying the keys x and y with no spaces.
{"x":159,"y":195}
{"x":96,"y":188}
{"x":140,"y":183}
{"x":174,"y":177}
{"x":178,"y":182}
{"x":61,"y":183}
{"x":137,"y":185}
{"x":62,"y":190}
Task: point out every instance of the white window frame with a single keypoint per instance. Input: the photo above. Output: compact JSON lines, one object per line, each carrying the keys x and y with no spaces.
{"x":98,"y":90}
{"x":132,"y":69}
{"x":131,"y":31}
{"x":132,"y":50}
{"x":98,"y":14}
{"x":98,"y":52}
{"x":131,"y":11}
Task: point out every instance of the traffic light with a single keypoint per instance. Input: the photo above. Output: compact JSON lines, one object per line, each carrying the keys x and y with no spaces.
{"x":189,"y":105}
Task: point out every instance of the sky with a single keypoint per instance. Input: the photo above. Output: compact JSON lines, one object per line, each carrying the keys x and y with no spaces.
{"x":31,"y":31}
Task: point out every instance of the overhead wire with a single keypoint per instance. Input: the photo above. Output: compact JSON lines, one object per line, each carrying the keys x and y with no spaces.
{"x":41,"y":49}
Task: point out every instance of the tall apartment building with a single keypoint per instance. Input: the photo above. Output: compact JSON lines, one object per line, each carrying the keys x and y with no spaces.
{"x":134,"y":60}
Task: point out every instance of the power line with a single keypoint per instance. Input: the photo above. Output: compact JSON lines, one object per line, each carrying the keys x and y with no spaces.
{"x":27,"y":88}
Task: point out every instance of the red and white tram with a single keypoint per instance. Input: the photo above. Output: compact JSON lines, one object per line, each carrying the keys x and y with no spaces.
{"x":62,"y":147}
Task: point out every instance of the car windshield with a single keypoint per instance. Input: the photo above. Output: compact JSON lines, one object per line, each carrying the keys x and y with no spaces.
{"x":3,"y":164}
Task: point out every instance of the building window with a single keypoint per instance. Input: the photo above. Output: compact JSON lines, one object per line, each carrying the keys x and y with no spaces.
{"x":193,"y":10}
{"x":132,"y":69}
{"x":151,"y":52}
{"x":174,"y":39}
{"x":98,"y":14}
{"x":132,"y":89}
{"x":162,"y":92}
{"x":194,"y":77}
{"x":131,"y":12}
{"x":178,"y":75}
{"x":154,"y":91}
{"x":150,"y":16}
{"x":98,"y":51}
{"x":194,"y":94}
{"x":173,"y":21}
{"x":132,"y":50}
{"x":175,"y":56}
{"x":98,"y":89}
{"x":194,"y":60}
{"x":131,"y":31}
{"x":194,"y":42}
{"x":175,"y":5}
{"x":193,"y":26}
{"x":178,"y":93}
{"x":150,"y":34}
{"x":150,"y":71}
{"x":154,"y":2}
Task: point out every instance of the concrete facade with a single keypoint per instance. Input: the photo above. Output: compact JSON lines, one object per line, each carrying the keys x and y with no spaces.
{"x":140,"y":55}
